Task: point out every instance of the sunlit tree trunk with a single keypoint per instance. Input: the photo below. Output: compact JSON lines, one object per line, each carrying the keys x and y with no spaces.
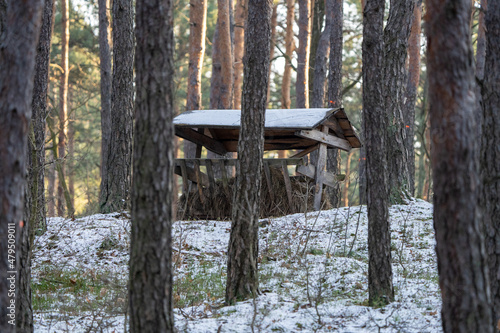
{"x":289,"y":48}
{"x":302,"y":84}
{"x":17,"y":68}
{"x":462,"y":262}
{"x":242,"y":274}
{"x":151,"y":278}
{"x":239,"y":48}
{"x":380,"y":286}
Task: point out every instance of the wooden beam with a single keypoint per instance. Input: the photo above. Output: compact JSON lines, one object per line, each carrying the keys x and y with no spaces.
{"x":191,"y":175}
{"x":305,"y":151}
{"x":198,"y":176}
{"x":329,"y":179}
{"x":325,"y":138}
{"x":233,"y":161}
{"x":320,"y":168}
{"x":288,"y":184}
{"x":267,"y":173}
{"x":335,"y":126}
{"x":201,"y":139}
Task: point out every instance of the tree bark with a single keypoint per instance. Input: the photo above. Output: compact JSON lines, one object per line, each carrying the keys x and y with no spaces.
{"x":490,"y":151}
{"x":289,"y":48}
{"x":242,"y":274}
{"x":197,"y":35}
{"x":115,"y":189}
{"x":63,"y":105}
{"x":396,"y":36}
{"x":462,"y":262}
{"x":302,"y":84}
{"x":317,"y":20}
{"x":106,"y":80}
{"x":3,"y":17}
{"x":239,"y":48}
{"x":481,"y":41}
{"x":17,"y":68}
{"x":150,"y":287}
{"x":411,"y":91}
{"x":274,"y":22}
{"x":375,"y":122}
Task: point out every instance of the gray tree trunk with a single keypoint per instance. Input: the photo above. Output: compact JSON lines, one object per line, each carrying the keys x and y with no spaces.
{"x":396,"y":36}
{"x":302,"y":84}
{"x":115,"y":188}
{"x":462,"y":261}
{"x":242,"y":273}
{"x":490,"y":151}
{"x":150,"y":286}
{"x":106,"y":79}
{"x":17,"y":68}
{"x":375,"y":122}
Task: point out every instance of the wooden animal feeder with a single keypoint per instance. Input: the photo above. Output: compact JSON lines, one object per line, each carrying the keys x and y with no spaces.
{"x":305,"y":130}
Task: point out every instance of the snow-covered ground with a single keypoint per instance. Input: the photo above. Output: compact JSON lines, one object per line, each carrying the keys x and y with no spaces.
{"x":313,"y":275}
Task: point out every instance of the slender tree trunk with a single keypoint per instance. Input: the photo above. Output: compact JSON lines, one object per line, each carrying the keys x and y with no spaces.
{"x":462,"y":261}
{"x":242,"y":274}
{"x":106,"y":79}
{"x":63,"y":104}
{"x":239,"y":48}
{"x":317,"y":19}
{"x":375,"y":121}
{"x":197,"y":35}
{"x":362,"y":151}
{"x":335,"y":90}
{"x":51,"y":184}
{"x":17,"y":69}
{"x":115,"y":189}
{"x":289,"y":48}
{"x":396,"y":36}
{"x":302,"y":84}
{"x":490,"y":151}
{"x":150,"y":286}
{"x":411,"y":91}
{"x":274,"y":22}
{"x":71,"y":156}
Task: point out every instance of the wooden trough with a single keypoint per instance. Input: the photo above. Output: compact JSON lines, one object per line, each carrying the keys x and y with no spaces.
{"x":306,"y":130}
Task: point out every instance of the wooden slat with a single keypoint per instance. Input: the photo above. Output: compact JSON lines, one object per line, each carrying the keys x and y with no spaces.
{"x":288,"y":184}
{"x":191,"y":175}
{"x":267,"y":173}
{"x":325,"y":138}
{"x":184,"y":174}
{"x":223,"y":172}
{"x":201,"y":139}
{"x":198,"y":180}
{"x":211,"y":176}
{"x":320,"y":167}
{"x":309,"y":171}
{"x":233,"y":161}
{"x":334,"y":125}
{"x":305,"y":151}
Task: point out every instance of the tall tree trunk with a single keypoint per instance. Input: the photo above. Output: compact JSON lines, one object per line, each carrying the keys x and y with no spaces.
{"x":63,"y":105}
{"x":274,"y":22}
{"x":302,"y":84}
{"x":197,"y":35}
{"x":461,"y":256}
{"x":396,"y":36}
{"x":71,"y":156}
{"x":317,"y":20}
{"x":151,"y":278}
{"x":490,"y":151}
{"x":335,"y":89}
{"x":375,"y":121}
{"x":411,"y":91}
{"x":3,"y":17}
{"x":17,"y":68}
{"x":36,"y":168}
{"x":242,"y":274}
{"x":289,"y":48}
{"x":106,"y":79}
{"x":51,"y":184}
{"x":481,"y":41}
{"x":239,"y":48}
{"x":115,"y":189}
{"x":362,"y":151}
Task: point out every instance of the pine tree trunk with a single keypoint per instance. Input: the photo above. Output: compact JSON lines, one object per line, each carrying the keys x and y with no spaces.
{"x":411,"y":91}
{"x":17,"y":69}
{"x":317,"y":19}
{"x":481,"y":41}
{"x":490,"y":151}
{"x":51,"y":185}
{"x":197,"y":35}
{"x":302,"y":84}
{"x":106,"y":79}
{"x":151,"y":278}
{"x":71,"y":156}
{"x":239,"y":48}
{"x":462,"y":262}
{"x":375,"y":121}
{"x":63,"y":105}
{"x":289,"y":48}
{"x":242,"y":273}
{"x":396,"y":36}
{"x":335,"y":90}
{"x":115,"y":189}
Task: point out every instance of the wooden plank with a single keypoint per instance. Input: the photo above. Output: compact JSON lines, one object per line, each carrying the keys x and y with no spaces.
{"x":184,"y":174}
{"x":325,"y":138}
{"x":320,"y":167}
{"x":211,"y":176}
{"x":334,"y":125}
{"x":288,"y":184}
{"x":233,"y":161}
{"x":201,"y":139}
{"x":223,"y":172}
{"x":305,"y":151}
{"x":329,"y":179}
{"x":191,"y":175}
{"x":198,"y":180}
{"x":267,"y":173}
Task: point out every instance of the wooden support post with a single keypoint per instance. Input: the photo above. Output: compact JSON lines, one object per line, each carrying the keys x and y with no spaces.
{"x":198,"y":180}
{"x":185,"y":181}
{"x":320,"y":168}
{"x":211,"y":179}
{"x":288,"y":184}
{"x":267,"y":173}
{"x":223,"y":172}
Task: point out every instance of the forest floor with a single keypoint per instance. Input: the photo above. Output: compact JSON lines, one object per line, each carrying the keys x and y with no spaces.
{"x":313,"y":275}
